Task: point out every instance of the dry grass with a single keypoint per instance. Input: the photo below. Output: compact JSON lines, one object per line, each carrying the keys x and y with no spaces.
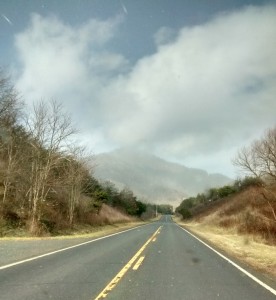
{"x":246,"y":213}
{"x":108,"y":215}
{"x":81,"y":231}
{"x":112,"y":215}
{"x":107,"y":220}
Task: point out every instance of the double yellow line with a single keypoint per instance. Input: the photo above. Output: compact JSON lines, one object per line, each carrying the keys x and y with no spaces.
{"x":123,"y":271}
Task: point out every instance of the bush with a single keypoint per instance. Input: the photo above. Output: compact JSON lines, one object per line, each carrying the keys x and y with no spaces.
{"x":226,"y":191}
{"x":185,"y":213}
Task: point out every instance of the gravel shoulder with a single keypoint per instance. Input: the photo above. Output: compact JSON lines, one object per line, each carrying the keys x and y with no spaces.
{"x":16,"y":249}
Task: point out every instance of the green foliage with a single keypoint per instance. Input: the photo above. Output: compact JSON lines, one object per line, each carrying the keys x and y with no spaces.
{"x":141,"y":208}
{"x":213,"y":194}
{"x":185,"y":206}
{"x":201,"y":198}
{"x":226,"y":191}
{"x":248,"y":181}
{"x":190,"y":205}
{"x":165,"y":209}
{"x":185,"y":213}
{"x":101,"y":195}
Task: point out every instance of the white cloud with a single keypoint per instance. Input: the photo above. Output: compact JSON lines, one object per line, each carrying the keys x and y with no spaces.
{"x":211,"y":89}
{"x":201,"y":95}
{"x":70,"y":64}
{"x":59,"y":60}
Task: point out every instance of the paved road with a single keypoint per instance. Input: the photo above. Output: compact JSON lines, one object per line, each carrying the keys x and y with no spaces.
{"x":168,"y":262}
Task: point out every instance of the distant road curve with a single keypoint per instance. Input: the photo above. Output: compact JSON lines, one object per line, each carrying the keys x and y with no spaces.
{"x":155,"y":261}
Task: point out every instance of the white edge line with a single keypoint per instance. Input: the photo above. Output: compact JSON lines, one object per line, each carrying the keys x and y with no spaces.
{"x":234,"y":264}
{"x":67,"y":248}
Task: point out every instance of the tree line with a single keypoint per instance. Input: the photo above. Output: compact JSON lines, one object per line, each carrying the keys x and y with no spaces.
{"x":46,"y":179}
{"x":193,"y":205}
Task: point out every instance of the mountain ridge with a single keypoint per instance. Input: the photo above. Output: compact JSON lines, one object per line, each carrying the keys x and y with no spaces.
{"x":152,"y":178}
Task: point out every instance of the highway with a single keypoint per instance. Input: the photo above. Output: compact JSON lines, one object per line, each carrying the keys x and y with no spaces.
{"x":155,"y":261}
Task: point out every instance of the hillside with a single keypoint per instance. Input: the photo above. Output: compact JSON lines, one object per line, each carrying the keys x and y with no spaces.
{"x":246,"y":212}
{"x":46,"y":185}
{"x":153,"y":178}
{"x":243,"y":225}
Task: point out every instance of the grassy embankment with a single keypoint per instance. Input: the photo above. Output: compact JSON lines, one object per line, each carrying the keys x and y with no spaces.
{"x":242,"y":225}
{"x":109,"y":220}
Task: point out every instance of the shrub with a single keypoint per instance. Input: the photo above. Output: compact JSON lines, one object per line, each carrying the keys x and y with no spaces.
{"x":185,"y":213}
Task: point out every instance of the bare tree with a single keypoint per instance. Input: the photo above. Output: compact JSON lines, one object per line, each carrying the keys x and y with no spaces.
{"x":259,"y":160}
{"x":50,"y":129}
{"x":12,"y":153}
{"x":77,"y":174}
{"x":10,"y":107}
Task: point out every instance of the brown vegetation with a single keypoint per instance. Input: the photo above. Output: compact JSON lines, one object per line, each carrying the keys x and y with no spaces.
{"x":246,"y":213}
{"x":110,"y":215}
{"x":46,"y":182}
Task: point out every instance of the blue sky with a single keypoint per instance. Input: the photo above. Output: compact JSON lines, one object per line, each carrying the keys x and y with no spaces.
{"x":142,"y":20}
{"x":191,"y":81}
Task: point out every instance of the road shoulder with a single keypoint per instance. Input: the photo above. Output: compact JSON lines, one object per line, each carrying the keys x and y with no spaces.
{"x":258,"y":259}
{"x":17,"y":249}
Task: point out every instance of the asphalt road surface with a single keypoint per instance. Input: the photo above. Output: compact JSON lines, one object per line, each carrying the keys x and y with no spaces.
{"x":155,"y":261}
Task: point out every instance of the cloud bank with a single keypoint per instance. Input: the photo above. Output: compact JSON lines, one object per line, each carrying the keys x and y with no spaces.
{"x":204,"y":92}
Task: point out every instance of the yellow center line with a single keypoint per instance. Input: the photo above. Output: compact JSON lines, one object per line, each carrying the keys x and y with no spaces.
{"x":138,"y":263}
{"x":123,"y":271}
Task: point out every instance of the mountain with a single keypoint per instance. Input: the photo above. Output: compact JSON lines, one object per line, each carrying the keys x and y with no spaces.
{"x":152,"y":178}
